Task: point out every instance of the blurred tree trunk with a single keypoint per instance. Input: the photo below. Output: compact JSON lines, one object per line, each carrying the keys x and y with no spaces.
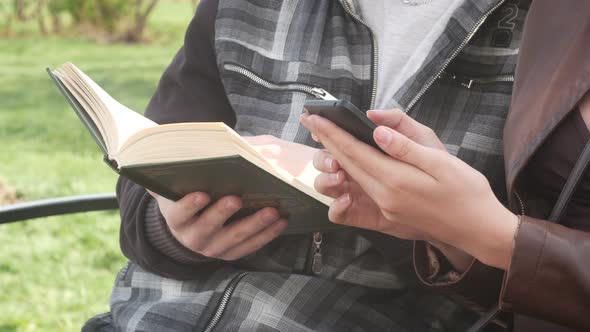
{"x":55,"y":23}
{"x":20,"y":10}
{"x":40,"y":17}
{"x":142,"y":14}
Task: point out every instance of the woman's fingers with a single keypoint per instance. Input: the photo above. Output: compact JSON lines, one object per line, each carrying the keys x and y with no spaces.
{"x":391,"y":118}
{"x":339,"y":208}
{"x":331,"y":184}
{"x":256,"y":242}
{"x":406,"y":150}
{"x":366,"y":165}
{"x":404,"y":124}
{"x":323,"y":161}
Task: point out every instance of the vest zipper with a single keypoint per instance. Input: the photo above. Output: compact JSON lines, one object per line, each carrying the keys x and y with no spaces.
{"x":468,"y":82}
{"x":314,"y":263}
{"x":476,"y":27}
{"x":375,"y":50}
{"x":314,"y":260}
{"x":227,"y":293}
{"x":314,"y":91}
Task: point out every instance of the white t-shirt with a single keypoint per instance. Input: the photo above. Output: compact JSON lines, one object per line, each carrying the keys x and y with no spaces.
{"x":405,"y":35}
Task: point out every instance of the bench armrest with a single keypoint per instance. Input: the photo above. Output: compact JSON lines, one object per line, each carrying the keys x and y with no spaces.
{"x":57,"y":206}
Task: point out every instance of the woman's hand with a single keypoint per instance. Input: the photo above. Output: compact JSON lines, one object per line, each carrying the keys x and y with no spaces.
{"x":423,"y":187}
{"x":353,"y":206}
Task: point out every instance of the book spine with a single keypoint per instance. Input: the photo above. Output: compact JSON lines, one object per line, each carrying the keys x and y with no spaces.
{"x":112,"y":164}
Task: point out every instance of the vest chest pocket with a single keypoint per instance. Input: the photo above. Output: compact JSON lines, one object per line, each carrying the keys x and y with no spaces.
{"x":264,"y":107}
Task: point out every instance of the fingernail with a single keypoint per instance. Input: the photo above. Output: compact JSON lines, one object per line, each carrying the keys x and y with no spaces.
{"x":270,"y":215}
{"x":315,"y":138}
{"x":308,"y":119}
{"x":198,"y":200}
{"x":329,"y":162}
{"x":344,"y":199}
{"x":383,"y":135}
{"x":335,"y":177}
{"x":304,"y":116}
{"x":375,"y":111}
{"x":232,"y":205}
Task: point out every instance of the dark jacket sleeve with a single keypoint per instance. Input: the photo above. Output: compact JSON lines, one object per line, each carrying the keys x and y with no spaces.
{"x":190,"y":90}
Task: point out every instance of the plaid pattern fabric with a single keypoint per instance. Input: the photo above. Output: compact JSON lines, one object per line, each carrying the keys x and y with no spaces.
{"x":265,"y":301}
{"x":318,"y":44}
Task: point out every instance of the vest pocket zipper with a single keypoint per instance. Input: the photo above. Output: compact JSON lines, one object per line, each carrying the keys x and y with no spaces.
{"x":469,"y":82}
{"x":314,"y":260}
{"x":227,"y":293}
{"x":297,"y":87}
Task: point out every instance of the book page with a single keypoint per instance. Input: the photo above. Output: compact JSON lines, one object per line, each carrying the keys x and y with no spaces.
{"x":87,"y":104}
{"x":125,"y":121}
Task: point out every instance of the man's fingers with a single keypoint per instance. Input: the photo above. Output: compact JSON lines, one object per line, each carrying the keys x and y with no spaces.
{"x":179,"y":213}
{"x":240,"y":231}
{"x":198,"y":233}
{"x":213,"y":218}
{"x":256,"y":242}
{"x":404,"y":149}
{"x":324,"y":162}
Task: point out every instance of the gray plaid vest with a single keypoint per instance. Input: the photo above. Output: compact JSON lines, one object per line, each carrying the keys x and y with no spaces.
{"x":270,"y":54}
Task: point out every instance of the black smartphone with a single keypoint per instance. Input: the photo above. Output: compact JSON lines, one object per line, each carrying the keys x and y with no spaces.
{"x":346,"y":116}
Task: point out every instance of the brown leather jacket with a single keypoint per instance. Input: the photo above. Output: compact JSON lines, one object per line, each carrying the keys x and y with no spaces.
{"x":549,"y":277}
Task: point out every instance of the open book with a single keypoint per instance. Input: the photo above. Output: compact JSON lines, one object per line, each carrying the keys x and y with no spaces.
{"x":176,"y":159}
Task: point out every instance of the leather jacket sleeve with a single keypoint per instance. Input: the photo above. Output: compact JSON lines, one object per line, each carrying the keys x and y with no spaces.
{"x":548,"y":278}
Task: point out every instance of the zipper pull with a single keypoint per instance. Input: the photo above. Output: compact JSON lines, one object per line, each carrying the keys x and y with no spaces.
{"x":467,"y":84}
{"x":322,"y":94}
{"x":316,"y":263}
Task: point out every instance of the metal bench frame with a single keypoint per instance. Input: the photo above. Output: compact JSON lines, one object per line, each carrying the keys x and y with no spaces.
{"x":57,"y":206}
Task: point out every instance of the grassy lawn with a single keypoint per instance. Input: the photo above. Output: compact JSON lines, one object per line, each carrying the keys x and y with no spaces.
{"x":57,"y":272}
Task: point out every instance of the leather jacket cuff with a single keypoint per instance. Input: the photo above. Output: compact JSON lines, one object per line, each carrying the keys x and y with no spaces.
{"x":548,"y":272}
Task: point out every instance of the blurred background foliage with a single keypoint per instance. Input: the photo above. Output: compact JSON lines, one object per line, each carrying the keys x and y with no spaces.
{"x":57,"y":272}
{"x":111,"y":20}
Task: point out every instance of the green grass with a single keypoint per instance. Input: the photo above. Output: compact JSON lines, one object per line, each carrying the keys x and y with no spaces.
{"x":57,"y":272}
